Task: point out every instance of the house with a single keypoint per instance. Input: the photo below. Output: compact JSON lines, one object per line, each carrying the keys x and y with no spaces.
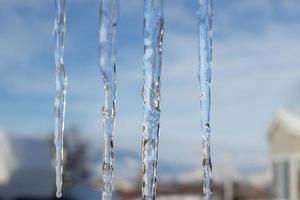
{"x":6,"y":163}
{"x":26,"y":171}
{"x":284,"y":138}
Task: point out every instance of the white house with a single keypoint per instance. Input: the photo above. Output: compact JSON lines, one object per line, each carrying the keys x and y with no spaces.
{"x":25,"y":168}
{"x":6,"y":163}
{"x":284,"y":138}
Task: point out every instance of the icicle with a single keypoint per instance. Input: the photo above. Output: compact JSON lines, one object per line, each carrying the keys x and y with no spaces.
{"x":205,"y":63}
{"x":153,"y":35}
{"x":109,"y":10}
{"x":61,"y":85}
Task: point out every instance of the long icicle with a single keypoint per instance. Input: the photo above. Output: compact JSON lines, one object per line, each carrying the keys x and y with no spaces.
{"x":109,"y":11}
{"x":61,"y":86}
{"x":205,"y":63}
{"x":153,"y":36}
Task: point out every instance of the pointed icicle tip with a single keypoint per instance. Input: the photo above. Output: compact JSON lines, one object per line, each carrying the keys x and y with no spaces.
{"x":58,"y":194}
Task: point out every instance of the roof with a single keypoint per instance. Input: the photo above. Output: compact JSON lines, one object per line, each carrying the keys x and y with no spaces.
{"x":31,"y":153}
{"x":288,"y":121}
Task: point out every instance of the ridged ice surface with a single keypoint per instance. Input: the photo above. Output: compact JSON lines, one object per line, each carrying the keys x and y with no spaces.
{"x":153,"y":35}
{"x":205,"y":64}
{"x":61,"y":85}
{"x":109,"y":10}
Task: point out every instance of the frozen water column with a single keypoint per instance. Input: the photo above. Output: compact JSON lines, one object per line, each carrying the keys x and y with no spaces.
{"x":61,"y":86}
{"x":109,"y":11}
{"x":153,"y":36}
{"x":204,"y":16}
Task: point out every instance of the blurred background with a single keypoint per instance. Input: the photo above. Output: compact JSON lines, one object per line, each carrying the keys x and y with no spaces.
{"x":255,"y":101}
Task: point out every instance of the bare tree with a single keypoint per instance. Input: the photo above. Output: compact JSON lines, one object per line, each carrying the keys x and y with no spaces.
{"x":76,"y":162}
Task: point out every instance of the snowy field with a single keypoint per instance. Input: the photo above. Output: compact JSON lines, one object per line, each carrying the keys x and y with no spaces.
{"x":177,"y":197}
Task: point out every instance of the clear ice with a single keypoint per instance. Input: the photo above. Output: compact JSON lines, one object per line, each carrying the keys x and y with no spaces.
{"x":205,"y":64}
{"x":153,"y":36}
{"x":61,"y":85}
{"x":109,"y":11}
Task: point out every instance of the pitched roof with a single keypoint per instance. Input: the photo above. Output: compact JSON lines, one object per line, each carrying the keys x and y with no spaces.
{"x":286,"y":120}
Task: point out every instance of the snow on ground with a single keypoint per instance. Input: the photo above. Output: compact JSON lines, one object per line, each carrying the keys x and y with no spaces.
{"x":178,"y":197}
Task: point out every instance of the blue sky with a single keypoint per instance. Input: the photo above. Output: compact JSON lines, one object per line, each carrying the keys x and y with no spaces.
{"x":255,"y":72}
